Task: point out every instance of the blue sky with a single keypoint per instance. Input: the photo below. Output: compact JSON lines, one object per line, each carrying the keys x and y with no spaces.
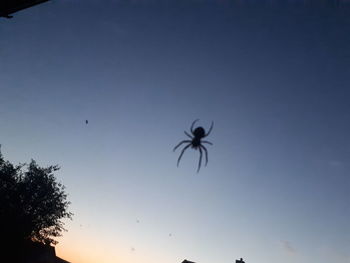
{"x":273,"y":77}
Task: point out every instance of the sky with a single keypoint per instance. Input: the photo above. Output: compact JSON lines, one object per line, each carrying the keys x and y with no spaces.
{"x":272,"y":75}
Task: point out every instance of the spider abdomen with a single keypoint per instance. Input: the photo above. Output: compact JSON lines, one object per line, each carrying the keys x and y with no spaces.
{"x":199,"y":132}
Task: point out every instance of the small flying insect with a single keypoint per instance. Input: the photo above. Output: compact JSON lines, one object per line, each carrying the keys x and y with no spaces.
{"x":196,"y":143}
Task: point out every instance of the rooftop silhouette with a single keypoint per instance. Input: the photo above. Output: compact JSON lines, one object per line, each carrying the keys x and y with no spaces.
{"x":237,"y":261}
{"x":8,"y":7}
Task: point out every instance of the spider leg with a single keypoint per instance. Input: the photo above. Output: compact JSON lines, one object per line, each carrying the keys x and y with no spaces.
{"x":184,"y":141}
{"x":206,"y":154}
{"x":200,"y":158}
{"x":211,"y":127}
{"x":182,"y":152}
{"x":193,"y":124}
{"x":188,"y":134}
{"x":207,"y":142}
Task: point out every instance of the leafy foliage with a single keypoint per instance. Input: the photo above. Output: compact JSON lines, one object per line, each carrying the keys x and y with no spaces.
{"x":32,"y":203}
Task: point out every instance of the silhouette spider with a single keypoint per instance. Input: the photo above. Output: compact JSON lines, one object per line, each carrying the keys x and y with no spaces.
{"x":196,"y":143}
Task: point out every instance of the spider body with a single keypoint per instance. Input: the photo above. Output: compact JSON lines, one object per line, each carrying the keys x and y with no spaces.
{"x":199,"y":133}
{"x":196,"y":143}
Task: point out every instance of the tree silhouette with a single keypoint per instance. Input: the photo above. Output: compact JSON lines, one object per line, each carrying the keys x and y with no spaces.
{"x":32,"y":204}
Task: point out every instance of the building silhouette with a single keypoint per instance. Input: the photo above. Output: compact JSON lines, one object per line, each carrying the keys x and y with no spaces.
{"x":30,"y":252}
{"x":237,"y":261}
{"x":8,"y":7}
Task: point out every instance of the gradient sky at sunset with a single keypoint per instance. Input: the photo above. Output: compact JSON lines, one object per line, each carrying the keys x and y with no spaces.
{"x":273,"y":77}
